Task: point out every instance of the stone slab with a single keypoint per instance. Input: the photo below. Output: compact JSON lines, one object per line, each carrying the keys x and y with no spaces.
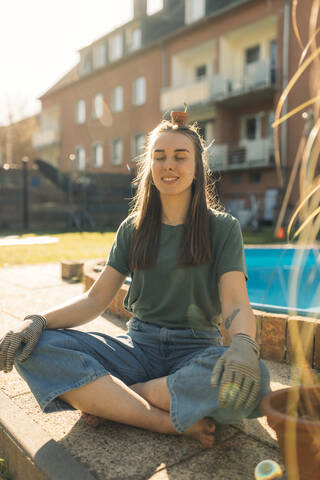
{"x":301,"y":332}
{"x":235,"y":458}
{"x":30,"y":452}
{"x":273,"y":336}
{"x":112,"y":450}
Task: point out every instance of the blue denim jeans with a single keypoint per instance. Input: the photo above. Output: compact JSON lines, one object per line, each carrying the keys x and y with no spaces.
{"x":66,"y":359}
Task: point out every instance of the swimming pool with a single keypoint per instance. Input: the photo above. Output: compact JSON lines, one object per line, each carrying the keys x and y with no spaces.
{"x":284,"y":280}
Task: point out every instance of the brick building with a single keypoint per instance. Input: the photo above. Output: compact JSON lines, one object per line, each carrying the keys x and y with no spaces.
{"x":228,"y":59}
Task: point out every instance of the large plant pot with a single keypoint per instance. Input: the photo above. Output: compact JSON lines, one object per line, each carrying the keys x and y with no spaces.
{"x":298,"y":436}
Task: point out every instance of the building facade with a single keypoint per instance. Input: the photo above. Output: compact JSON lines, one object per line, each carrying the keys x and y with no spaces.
{"x":229,"y":60}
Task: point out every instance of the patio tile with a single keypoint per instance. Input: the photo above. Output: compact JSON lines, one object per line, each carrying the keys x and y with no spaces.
{"x":235,"y":458}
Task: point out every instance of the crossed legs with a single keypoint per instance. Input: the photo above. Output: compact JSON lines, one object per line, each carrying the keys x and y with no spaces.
{"x":145,"y":405}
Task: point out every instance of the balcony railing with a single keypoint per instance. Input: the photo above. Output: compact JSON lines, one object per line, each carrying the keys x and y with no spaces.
{"x":248,"y":154}
{"x":256,"y":75}
{"x":174,"y":97}
{"x":45,"y":138}
{"x":219,"y":87}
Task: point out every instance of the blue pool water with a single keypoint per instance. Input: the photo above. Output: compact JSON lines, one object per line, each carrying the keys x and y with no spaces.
{"x":284,"y":280}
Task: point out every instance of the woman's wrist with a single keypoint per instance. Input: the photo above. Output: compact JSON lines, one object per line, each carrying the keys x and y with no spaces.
{"x":42,"y":319}
{"x":249,"y":340}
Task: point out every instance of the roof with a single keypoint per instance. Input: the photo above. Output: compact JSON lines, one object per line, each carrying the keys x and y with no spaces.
{"x":70,"y":77}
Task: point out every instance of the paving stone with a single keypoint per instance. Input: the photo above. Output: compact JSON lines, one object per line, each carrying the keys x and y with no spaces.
{"x":273,"y":336}
{"x":235,"y":459}
{"x":113,"y":450}
{"x":301,"y":332}
{"x":12,"y":384}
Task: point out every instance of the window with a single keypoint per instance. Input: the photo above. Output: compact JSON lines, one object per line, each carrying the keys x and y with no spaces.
{"x":201,"y":72}
{"x":236,"y":178}
{"x":99,"y":55}
{"x":206,"y":130}
{"x":154,"y":6}
{"x":194,"y":9}
{"x":138,"y":145}
{"x":251,"y":130}
{"x":117,"y":99}
{"x":252,"y":54}
{"x":136,"y":39}
{"x":97,"y":154}
{"x":98,"y":106}
{"x":116,"y":151}
{"x":81,"y":111}
{"x":270,"y":132}
{"x":115,"y":47}
{"x":85,"y":65}
{"x":80,"y":158}
{"x":254,"y":177}
{"x":139,"y":91}
{"x":273,"y":61}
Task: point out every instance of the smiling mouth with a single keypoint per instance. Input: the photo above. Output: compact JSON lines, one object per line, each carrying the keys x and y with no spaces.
{"x":169,"y":179}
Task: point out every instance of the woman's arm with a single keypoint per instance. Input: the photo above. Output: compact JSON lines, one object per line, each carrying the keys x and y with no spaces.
{"x":237,"y":314}
{"x":89,"y":305}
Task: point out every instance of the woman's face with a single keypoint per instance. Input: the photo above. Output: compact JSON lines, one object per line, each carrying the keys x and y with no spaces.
{"x":173,"y":163}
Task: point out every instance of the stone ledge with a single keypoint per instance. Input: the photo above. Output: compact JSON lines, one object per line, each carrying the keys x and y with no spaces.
{"x":275,"y":332}
{"x":30,"y":452}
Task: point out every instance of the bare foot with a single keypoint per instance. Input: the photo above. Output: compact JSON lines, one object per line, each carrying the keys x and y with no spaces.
{"x":92,"y":420}
{"x":203,"y":431}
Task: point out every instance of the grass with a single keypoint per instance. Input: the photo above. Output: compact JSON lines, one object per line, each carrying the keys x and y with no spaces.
{"x":71,"y":246}
{"x":84,"y":246}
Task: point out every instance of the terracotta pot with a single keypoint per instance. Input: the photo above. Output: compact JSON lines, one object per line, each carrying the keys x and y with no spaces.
{"x":298,"y":438}
{"x":179,"y":117}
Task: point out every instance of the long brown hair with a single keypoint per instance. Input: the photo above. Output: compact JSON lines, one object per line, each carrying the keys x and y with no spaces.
{"x":146,"y":209}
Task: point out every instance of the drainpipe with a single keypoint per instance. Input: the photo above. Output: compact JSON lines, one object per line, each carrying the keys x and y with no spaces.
{"x":285,"y":79}
{"x":165,"y":79}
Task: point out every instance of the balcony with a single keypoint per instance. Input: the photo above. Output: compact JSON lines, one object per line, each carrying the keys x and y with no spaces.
{"x":248,"y":154}
{"x":46,"y":138}
{"x":258,"y":83}
{"x":195,"y":93}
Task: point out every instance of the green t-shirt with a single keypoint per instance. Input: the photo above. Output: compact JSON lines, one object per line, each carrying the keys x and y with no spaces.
{"x":180,"y":297}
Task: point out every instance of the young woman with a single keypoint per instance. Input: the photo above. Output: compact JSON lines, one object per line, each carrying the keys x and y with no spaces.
{"x":169,"y":373}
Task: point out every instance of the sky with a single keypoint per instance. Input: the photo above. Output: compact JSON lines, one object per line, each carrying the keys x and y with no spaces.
{"x":39,"y":43}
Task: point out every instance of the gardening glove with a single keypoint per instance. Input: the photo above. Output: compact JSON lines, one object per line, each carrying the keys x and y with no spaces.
{"x":27,"y":333}
{"x":239,"y":371}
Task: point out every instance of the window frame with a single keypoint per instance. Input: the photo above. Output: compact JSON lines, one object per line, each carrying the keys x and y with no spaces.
{"x":135,"y":91}
{"x":189,"y":11}
{"x":118,"y":88}
{"x":135,"y":153}
{"x":94,"y":110}
{"x":82,"y":149}
{"x":78,"y":119}
{"x":113,"y":54}
{"x":113,"y":143}
{"x":94,"y":154}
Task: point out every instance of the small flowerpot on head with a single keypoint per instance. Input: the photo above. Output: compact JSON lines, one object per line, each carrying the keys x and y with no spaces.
{"x":179,"y":118}
{"x":294,"y":414}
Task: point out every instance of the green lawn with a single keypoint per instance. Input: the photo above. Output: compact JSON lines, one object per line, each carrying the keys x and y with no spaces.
{"x":71,"y":246}
{"x":85,"y":245}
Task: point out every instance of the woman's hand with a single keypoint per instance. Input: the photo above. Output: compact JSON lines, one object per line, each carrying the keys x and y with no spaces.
{"x":27,"y":333}
{"x":240,"y":372}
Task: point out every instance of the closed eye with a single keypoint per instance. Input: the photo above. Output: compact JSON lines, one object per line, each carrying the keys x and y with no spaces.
{"x":163,"y":158}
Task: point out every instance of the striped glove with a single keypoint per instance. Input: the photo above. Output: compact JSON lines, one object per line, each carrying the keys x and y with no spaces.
{"x":27,"y":333}
{"x":239,"y":371}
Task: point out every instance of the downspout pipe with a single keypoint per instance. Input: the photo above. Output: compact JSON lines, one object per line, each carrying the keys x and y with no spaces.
{"x":285,"y":79}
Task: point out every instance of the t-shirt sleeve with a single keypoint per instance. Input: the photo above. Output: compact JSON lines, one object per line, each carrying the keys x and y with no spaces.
{"x":231,"y":256}
{"x":119,"y":256}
